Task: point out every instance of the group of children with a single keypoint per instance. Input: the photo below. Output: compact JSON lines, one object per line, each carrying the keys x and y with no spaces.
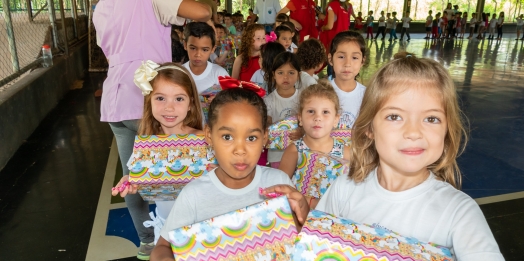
{"x":386,"y":24}
{"x":406,"y":134}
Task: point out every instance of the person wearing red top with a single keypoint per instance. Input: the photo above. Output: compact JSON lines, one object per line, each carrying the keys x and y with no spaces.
{"x":303,"y":12}
{"x":351,"y":12}
{"x":336,"y":21}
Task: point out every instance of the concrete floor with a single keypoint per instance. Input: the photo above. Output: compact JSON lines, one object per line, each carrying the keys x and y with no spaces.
{"x":54,"y":202}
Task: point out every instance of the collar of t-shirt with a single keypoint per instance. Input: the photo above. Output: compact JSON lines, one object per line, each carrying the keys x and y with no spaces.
{"x":338,"y":88}
{"x":203,"y":75}
{"x":236,"y":192}
{"x":402,"y":195}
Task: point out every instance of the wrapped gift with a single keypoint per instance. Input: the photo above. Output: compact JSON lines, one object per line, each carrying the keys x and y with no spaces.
{"x":316,"y":171}
{"x":326,"y":237}
{"x":163,"y":165}
{"x":204,"y":98}
{"x":263,"y":231}
{"x":279,"y":133}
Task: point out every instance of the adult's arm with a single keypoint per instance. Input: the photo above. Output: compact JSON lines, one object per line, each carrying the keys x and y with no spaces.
{"x":175,"y":12}
{"x":195,"y":10}
{"x":286,"y":10}
{"x":330,"y":20}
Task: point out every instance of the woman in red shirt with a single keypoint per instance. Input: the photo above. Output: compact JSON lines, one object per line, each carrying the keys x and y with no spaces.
{"x":304,"y":13}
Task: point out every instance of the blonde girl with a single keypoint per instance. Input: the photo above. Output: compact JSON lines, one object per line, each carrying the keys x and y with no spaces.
{"x":246,"y":63}
{"x":318,"y":113}
{"x":171,"y":106}
{"x":404,"y":174}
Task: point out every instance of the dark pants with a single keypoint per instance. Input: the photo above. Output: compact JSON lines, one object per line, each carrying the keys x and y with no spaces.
{"x":404,"y":31}
{"x":381,"y":29}
{"x":499,"y":31}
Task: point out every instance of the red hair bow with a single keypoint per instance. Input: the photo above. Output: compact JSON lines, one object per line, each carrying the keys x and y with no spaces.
{"x":227,"y":82}
{"x":271,"y":37}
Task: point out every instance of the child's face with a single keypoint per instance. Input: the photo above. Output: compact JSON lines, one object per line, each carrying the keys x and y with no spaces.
{"x":238,"y":138}
{"x":259,"y":39}
{"x":285,"y":77}
{"x":221,"y":34}
{"x":285,"y":39}
{"x":409,"y":131}
{"x":169,"y":104}
{"x":388,"y":15}
{"x":220,"y":18}
{"x":347,"y":61}
{"x":227,"y":20}
{"x":318,"y":117}
{"x":199,"y":50}
{"x":359,"y":14}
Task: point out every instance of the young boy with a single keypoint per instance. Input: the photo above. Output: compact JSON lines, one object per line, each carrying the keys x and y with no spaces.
{"x":311,"y":56}
{"x":492,"y":26}
{"x":435,"y":26}
{"x":224,"y":54}
{"x":381,"y":26}
{"x":429,"y":22}
{"x":389,"y":23}
{"x":369,"y":25}
{"x":200,"y":44}
{"x":406,"y":20}
{"x":520,"y":24}
{"x":228,"y":24}
{"x":472,"y":24}
{"x":458,"y":25}
{"x":463,"y":23}
{"x":393,"y":32}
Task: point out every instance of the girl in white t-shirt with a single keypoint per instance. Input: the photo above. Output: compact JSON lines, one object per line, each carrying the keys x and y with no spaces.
{"x":403,"y":170}
{"x":237,"y":131}
{"x":520,"y":24}
{"x":347,"y":55}
{"x":268,"y":52}
{"x":282,"y":102}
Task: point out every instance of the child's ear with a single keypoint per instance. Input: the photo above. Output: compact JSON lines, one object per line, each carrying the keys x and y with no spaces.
{"x":337,"y":120}
{"x":369,"y":133}
{"x":207,"y":134}
{"x":330,"y":59}
{"x":185,"y":45}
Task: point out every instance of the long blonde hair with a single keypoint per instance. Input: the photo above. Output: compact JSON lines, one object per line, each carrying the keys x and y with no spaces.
{"x":180,"y":76}
{"x":407,"y":70}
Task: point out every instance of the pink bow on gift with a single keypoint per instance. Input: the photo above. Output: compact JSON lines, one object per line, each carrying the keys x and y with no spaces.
{"x":227,"y":82}
{"x":271,"y":37}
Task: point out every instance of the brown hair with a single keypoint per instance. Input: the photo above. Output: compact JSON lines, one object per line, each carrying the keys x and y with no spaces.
{"x":180,"y":76}
{"x":323,"y":89}
{"x":311,"y":53}
{"x":247,"y":41}
{"x":406,"y":70}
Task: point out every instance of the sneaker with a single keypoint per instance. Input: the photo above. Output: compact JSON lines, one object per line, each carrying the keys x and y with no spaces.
{"x":145,"y":250}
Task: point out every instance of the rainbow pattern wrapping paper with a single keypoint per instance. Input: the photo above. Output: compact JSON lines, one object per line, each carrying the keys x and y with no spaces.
{"x":279,"y":133}
{"x":326,"y":237}
{"x":163,"y":165}
{"x":204,"y":98}
{"x":263,"y":231}
{"x":316,"y":171}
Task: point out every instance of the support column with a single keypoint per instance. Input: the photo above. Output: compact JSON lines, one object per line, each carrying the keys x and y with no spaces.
{"x":407,"y":7}
{"x":480,"y":8}
{"x":229,"y":6}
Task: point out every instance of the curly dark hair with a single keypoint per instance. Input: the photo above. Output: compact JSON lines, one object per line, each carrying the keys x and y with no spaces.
{"x":246,"y":42}
{"x":311,"y":53}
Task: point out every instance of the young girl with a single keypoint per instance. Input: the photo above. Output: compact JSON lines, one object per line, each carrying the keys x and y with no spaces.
{"x":237,"y":132}
{"x":171,"y":106}
{"x":268,"y":52}
{"x":282,"y":102}
{"x":404,"y":174}
{"x":318,"y":114}
{"x":359,"y":22}
{"x":500,"y":23}
{"x":246,"y":63}
{"x":285,"y":38}
{"x":492,"y":27}
{"x":347,"y":55}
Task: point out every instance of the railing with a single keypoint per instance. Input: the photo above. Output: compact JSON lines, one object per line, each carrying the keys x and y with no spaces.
{"x":26,"y":25}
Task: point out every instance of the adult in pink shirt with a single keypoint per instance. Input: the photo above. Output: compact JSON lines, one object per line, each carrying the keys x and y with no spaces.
{"x":129,"y":32}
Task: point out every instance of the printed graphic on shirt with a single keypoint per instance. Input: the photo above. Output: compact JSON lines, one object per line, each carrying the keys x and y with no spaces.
{"x":286,"y":113}
{"x":347,"y":119}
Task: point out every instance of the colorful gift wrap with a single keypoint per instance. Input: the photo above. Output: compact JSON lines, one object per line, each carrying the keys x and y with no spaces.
{"x":279,"y":133}
{"x":316,"y":171}
{"x":204,"y":98}
{"x":263,"y":231}
{"x":326,"y":237}
{"x":163,"y":165}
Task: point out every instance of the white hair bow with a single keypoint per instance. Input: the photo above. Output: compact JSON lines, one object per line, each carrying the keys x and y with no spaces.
{"x":144,"y":74}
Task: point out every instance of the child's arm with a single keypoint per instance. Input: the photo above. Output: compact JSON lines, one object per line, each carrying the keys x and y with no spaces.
{"x":162,"y":251}
{"x":123,"y":187}
{"x":237,"y":66}
{"x":288,"y":163}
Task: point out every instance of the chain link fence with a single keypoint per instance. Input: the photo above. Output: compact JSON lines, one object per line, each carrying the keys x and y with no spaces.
{"x":26,"y":25}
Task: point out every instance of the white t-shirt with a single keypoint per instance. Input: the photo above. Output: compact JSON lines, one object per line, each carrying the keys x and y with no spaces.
{"x":520,"y":21}
{"x":209,"y":77}
{"x":472,"y":22}
{"x":279,"y":108}
{"x":382,"y":21}
{"x":258,"y":79}
{"x":207,"y":197}
{"x":307,"y":80}
{"x":433,"y":211}
{"x":389,"y":23}
{"x":429,"y":20}
{"x":292,"y":48}
{"x":493,"y":23}
{"x":405,"y":22}
{"x":350,"y":103}
{"x":267,"y":11}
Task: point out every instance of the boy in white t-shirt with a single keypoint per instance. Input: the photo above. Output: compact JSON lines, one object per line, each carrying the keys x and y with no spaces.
{"x":472,"y":24}
{"x":312,"y":55}
{"x":406,"y":20}
{"x":492,"y":26}
{"x":429,"y":21}
{"x":520,"y":25}
{"x":381,"y":26}
{"x":200,"y":44}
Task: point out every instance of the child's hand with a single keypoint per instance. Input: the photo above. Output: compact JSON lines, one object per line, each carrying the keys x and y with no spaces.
{"x":295,"y":135}
{"x":297,"y":201}
{"x":123,"y":187}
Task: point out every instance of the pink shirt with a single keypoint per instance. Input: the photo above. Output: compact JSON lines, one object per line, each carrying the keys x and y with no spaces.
{"x":129,"y":32}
